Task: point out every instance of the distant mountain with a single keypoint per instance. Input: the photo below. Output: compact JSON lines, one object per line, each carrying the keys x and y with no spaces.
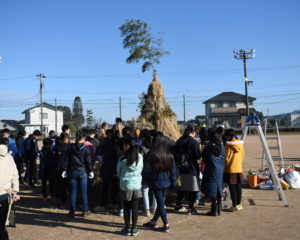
{"x":296,"y":111}
{"x":284,"y":114}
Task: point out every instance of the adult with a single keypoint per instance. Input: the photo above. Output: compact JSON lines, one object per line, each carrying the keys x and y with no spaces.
{"x":9,"y":187}
{"x":160,"y":173}
{"x":213,"y":156}
{"x":235,"y":155}
{"x":78,"y":168}
{"x":31,"y":152}
{"x":189,"y":148}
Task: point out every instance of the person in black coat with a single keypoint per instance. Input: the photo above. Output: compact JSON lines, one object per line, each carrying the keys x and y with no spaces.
{"x":189,"y":148}
{"x":31,"y":152}
{"x":213,"y":156}
{"x":59,"y":154}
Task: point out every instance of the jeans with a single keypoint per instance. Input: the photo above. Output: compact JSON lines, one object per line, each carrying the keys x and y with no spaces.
{"x":78,"y":177}
{"x":145,"y":192}
{"x":3,"y":216}
{"x":160,"y":195}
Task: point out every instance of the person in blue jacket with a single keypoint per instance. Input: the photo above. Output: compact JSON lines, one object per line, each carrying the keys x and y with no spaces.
{"x":160,"y":173}
{"x":213,"y":156}
{"x":78,"y":168}
{"x":129,"y":171}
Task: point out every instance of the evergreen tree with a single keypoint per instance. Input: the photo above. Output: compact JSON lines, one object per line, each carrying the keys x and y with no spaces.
{"x":89,"y":118}
{"x":67,"y":117}
{"x":77,"y":117}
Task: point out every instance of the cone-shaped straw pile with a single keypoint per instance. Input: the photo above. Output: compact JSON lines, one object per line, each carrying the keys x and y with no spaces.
{"x":156,"y":112}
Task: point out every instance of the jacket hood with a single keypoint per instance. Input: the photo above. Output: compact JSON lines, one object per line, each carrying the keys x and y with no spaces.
{"x":3,"y":150}
{"x":235,"y":145}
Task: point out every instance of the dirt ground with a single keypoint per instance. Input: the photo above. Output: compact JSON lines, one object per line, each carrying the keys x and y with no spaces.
{"x":264,"y":217}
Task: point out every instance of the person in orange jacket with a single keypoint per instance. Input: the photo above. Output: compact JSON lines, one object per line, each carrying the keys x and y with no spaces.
{"x":235,"y":155}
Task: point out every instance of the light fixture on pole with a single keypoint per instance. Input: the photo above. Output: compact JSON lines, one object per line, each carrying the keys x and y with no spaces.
{"x":244,"y":55}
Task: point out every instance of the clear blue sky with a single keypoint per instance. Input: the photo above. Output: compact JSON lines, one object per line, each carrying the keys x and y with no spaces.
{"x":77,"y":45}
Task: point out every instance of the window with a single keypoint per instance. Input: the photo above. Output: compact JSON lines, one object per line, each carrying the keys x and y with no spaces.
{"x":219,"y":104}
{"x":45,"y":115}
{"x":231,"y":104}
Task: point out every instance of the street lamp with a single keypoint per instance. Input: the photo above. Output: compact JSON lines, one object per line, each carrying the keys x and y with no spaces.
{"x":243,"y":55}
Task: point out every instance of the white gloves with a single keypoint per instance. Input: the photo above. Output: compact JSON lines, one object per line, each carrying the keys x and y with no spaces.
{"x":91,"y":175}
{"x":64,"y":174}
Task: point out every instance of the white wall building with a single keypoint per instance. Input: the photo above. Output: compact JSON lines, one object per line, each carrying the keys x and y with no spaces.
{"x":52,"y":120}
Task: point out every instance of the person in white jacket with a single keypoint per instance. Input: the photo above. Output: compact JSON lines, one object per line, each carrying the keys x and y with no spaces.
{"x":9,"y":186}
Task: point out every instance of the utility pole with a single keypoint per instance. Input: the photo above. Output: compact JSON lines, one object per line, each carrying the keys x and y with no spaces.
{"x":120,"y":107}
{"x":184,"y":120}
{"x":55,"y":116}
{"x":41,"y":76}
{"x":244,"y":55}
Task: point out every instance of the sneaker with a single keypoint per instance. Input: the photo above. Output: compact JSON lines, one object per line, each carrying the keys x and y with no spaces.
{"x":86,"y":213}
{"x":45,"y":199}
{"x":166,"y":228}
{"x":240,"y":207}
{"x":150,"y":225}
{"x":126,"y":232}
{"x":192,"y":212}
{"x":180,"y":209}
{"x":234,"y":209}
{"x":135,"y":232}
{"x":147,"y":212}
{"x":71,"y":214}
{"x":121,"y":213}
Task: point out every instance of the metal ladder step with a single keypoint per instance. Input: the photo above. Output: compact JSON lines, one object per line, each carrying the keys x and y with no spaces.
{"x":273,"y":148}
{"x":271,"y":138}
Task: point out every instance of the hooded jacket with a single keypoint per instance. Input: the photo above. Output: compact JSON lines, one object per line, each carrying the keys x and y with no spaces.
{"x":130,"y":176}
{"x":192,"y":149}
{"x":234,"y":156}
{"x":78,"y":159}
{"x":9,"y":178}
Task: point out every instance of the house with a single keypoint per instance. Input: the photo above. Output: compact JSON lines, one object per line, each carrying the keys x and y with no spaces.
{"x":52,"y":119}
{"x":293,"y":119}
{"x":228,"y":109}
{"x":12,"y":125}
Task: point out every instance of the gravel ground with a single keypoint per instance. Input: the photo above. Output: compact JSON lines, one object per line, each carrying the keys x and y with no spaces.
{"x":264,"y":217}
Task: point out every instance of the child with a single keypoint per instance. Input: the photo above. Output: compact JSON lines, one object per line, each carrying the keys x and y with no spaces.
{"x":160,"y":173}
{"x":46,"y":168}
{"x":233,"y":168}
{"x":212,"y":183}
{"x":129,"y":170}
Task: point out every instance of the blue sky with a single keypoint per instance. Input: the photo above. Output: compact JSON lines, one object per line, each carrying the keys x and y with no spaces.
{"x":77,"y":45}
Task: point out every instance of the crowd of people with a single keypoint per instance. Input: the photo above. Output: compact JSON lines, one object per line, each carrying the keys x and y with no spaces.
{"x":134,"y":164}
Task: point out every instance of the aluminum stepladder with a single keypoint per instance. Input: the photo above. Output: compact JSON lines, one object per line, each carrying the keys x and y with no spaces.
{"x":278,"y":147}
{"x":253,"y":122}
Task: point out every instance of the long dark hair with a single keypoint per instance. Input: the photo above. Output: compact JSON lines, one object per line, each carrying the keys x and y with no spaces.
{"x":132,"y":154}
{"x":160,"y":157}
{"x":215,"y":142}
